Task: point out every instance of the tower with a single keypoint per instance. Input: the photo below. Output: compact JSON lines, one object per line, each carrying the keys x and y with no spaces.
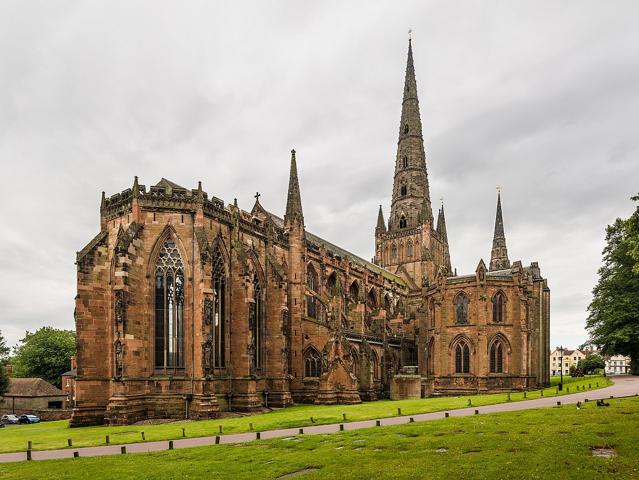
{"x":499,"y":254}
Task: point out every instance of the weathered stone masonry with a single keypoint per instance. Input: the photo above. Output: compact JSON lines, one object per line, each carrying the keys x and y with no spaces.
{"x":187,"y":307}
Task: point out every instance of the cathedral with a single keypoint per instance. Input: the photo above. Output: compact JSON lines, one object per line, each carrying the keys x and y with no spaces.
{"x":187,"y":307}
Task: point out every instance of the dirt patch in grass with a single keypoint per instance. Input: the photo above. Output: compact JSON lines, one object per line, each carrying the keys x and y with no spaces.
{"x":605,"y":452}
{"x":472,"y":452}
{"x":605,"y":434}
{"x":501,"y":432}
{"x":298,"y":473}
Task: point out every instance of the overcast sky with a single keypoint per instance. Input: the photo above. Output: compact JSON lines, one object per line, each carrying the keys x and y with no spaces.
{"x":538,"y":97}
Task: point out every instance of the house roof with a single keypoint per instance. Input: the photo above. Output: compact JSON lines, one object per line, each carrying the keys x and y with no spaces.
{"x":32,"y":387}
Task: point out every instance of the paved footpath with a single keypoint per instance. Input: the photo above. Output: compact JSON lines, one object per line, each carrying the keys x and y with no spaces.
{"x":623,"y":387}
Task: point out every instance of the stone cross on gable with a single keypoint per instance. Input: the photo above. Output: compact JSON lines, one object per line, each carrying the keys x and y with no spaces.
{"x":257,"y":196}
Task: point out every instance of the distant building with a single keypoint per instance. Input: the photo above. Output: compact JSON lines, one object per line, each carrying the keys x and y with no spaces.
{"x":569,"y":358}
{"x":34,"y":396}
{"x":68,"y":383}
{"x":617,"y":365}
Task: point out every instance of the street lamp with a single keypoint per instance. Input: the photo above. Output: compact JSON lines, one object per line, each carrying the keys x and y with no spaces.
{"x":561,"y":368}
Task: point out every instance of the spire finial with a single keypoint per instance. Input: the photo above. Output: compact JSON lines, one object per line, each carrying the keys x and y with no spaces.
{"x":498,"y":189}
{"x":410,"y":35}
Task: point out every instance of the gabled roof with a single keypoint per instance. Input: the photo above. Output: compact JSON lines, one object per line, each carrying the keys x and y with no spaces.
{"x":168,"y":183}
{"x":32,"y":387}
{"x":335,"y":250}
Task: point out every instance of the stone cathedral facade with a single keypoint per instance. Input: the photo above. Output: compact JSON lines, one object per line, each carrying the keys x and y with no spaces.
{"x":187,"y":306}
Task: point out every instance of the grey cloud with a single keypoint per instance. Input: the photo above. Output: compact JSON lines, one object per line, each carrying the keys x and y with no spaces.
{"x":541,"y":99}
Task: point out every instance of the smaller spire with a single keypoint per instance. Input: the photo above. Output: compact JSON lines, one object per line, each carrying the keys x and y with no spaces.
{"x":294,"y":200}
{"x":499,"y":255}
{"x":103,"y":201}
{"x":136,"y":187}
{"x":381,"y":224}
{"x":441,"y":225}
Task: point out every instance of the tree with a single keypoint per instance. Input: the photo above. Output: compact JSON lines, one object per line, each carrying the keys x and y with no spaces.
{"x":4,"y":380}
{"x":4,"y":350}
{"x":45,"y":354}
{"x":613,"y":320}
{"x":591,"y":363}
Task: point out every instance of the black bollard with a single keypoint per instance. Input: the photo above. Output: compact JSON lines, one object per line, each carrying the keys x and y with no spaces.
{"x":411,"y":419}
{"x":76,"y":454}
{"x":446,"y":415}
{"x":106,"y":439}
{"x":69,"y":442}
{"x":170,"y":444}
{"x":29,"y":455}
{"x":301,"y":431}
{"x":399,"y":411}
{"x":143,"y":438}
{"x":217,"y":440}
{"x":378,"y":423}
{"x":184,"y":432}
{"x":341,"y":426}
{"x":476,"y":412}
{"x":122,"y":449}
{"x":257,"y":435}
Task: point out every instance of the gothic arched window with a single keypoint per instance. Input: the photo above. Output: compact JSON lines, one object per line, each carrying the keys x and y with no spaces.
{"x":372,"y":299}
{"x":499,"y":307}
{"x":402,"y":190}
{"x":355,"y":363}
{"x":353,"y":292}
{"x":497,"y":357}
{"x":405,"y":128}
{"x":256,"y":325}
{"x":409,"y":249}
{"x":169,"y":308}
{"x":461,"y":309}
{"x":331,"y":284}
{"x":402,"y":222}
{"x":377,"y":374}
{"x":219,"y":309}
{"x":400,"y":252}
{"x":312,"y":363}
{"x":313,"y":284}
{"x":405,"y":162}
{"x":462,"y":357}
{"x":393,"y":253}
{"x":430,"y":357}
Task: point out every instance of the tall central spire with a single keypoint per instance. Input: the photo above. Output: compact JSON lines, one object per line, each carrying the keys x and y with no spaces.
{"x":411,"y":205}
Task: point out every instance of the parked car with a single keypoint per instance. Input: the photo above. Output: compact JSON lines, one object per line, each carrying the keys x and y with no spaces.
{"x":28,"y":419}
{"x":9,"y":419}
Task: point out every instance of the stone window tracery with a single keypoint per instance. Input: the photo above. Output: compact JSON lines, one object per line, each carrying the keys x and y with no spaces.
{"x":312,"y":363}
{"x":312,"y":283}
{"x":218,"y":311}
{"x":497,"y":357}
{"x":499,"y":307}
{"x":462,"y":357}
{"x":256,"y":325}
{"x":461,"y":309}
{"x":169,"y":309}
{"x":402,"y":222}
{"x":409,"y":249}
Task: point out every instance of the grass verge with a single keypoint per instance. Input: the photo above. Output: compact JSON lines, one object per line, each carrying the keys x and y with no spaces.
{"x":542,"y":443}
{"x":53,"y":435}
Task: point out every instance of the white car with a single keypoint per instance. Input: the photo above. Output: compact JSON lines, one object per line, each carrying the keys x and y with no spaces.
{"x":9,"y":419}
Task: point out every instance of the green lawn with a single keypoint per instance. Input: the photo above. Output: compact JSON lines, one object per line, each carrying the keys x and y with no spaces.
{"x":543,"y":443}
{"x":50,"y":435}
